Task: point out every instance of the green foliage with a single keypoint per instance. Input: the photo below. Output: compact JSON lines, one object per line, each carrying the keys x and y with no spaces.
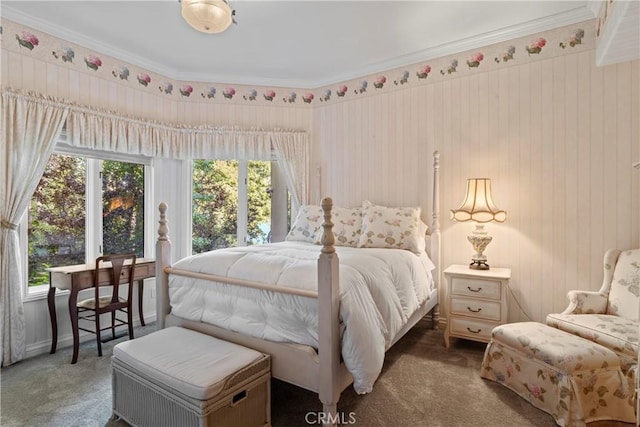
{"x":57,"y":218}
{"x":215,"y":203}
{"x":57,"y":215}
{"x":259,"y":201}
{"x":123,"y":208}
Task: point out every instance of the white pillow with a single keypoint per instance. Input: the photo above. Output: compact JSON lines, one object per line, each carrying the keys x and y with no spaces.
{"x":308,"y":224}
{"x":386,"y":227}
{"x":347,"y":225}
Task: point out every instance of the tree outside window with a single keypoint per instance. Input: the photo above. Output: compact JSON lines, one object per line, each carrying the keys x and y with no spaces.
{"x":59,"y":216}
{"x":122,"y":208}
{"x":215,"y":206}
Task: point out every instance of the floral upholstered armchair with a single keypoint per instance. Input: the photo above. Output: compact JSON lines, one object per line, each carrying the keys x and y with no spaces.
{"x":610,"y":316}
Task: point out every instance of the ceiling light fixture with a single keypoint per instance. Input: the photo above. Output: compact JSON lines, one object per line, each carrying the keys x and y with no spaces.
{"x":208,"y":16}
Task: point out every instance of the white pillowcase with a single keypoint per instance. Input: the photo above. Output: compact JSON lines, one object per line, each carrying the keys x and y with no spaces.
{"x":347,"y":225}
{"x":308,"y":224}
{"x":387,"y":227}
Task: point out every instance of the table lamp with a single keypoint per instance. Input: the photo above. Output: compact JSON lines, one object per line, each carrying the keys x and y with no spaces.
{"x":478,"y":206}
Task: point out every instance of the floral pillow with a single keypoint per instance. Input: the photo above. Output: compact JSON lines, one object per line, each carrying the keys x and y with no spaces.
{"x":386,"y":227}
{"x":347,"y":225}
{"x":308,"y":225}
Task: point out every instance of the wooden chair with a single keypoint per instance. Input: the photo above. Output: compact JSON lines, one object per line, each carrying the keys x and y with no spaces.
{"x":110,"y":303}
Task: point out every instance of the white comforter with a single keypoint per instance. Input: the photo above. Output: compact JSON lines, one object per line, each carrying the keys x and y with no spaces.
{"x":379,"y":290}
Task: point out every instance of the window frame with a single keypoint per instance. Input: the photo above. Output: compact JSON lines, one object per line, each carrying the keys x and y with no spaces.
{"x":93,"y":207}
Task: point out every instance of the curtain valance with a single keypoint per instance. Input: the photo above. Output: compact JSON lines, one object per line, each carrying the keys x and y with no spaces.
{"x":108,"y":132}
{"x":99,"y":129}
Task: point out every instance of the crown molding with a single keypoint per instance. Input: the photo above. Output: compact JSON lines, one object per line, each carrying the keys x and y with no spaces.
{"x":82,"y":40}
{"x":508,"y":33}
{"x":539,"y":25}
{"x":594,"y":6}
{"x":619,"y":42}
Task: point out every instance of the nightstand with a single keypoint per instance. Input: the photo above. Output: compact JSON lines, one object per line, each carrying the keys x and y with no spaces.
{"x":476,"y":302}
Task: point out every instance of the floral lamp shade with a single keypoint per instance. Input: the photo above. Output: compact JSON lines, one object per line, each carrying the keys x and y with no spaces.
{"x":478,"y":206}
{"x":208,"y":16}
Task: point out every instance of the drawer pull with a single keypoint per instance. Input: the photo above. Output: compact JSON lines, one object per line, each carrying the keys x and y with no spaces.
{"x":474,"y":290}
{"x":239,"y":398}
{"x":474,"y":332}
{"x":474,"y":311}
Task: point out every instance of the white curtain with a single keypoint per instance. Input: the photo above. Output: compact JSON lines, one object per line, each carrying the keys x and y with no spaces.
{"x":31,"y":124}
{"x":101,"y":130}
{"x":292,"y":152}
{"x":30,"y":127}
{"x":90,"y":128}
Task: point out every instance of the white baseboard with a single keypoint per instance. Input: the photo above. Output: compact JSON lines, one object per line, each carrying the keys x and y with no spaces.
{"x":43,"y":347}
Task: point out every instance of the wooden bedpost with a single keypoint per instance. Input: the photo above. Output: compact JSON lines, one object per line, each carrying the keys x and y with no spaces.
{"x":434,"y":231}
{"x":328,"y":319}
{"x":163,"y":260}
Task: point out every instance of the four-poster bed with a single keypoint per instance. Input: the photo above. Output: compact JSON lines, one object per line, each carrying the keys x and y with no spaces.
{"x":320,"y":368}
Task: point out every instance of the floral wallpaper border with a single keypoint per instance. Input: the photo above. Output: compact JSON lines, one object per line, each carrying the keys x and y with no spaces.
{"x":545,"y":45}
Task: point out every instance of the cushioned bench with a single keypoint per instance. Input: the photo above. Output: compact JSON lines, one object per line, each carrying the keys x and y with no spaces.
{"x":179,"y":377}
{"x":571,"y":378}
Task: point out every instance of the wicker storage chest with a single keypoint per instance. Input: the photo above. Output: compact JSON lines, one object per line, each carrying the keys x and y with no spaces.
{"x":178,"y":377}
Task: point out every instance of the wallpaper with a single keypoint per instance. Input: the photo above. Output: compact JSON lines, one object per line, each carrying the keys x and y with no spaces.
{"x":549,"y":44}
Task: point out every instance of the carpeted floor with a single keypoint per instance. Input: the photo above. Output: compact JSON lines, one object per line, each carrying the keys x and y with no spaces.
{"x":422,"y":384}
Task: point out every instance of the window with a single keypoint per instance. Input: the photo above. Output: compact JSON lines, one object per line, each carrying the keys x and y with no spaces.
{"x":215,"y":205}
{"x":57,"y":218}
{"x":85,"y":206}
{"x":122,"y":208}
{"x":236,"y":203}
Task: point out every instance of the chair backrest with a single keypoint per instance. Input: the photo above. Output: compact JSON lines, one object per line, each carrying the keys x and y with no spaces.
{"x":624,"y":294}
{"x":115,"y":274}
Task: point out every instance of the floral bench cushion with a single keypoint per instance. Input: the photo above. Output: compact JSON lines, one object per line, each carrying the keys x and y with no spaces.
{"x":567,"y":352}
{"x":573,"y":379}
{"x":616,"y":333}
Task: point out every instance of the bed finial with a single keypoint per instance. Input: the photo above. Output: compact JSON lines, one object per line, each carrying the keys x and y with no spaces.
{"x":163,"y":229}
{"x":327,"y":234}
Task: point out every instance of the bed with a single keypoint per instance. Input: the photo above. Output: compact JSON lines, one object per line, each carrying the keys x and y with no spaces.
{"x":315,"y":308}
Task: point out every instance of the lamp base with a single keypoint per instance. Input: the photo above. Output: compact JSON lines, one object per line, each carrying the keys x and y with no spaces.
{"x":479,"y":265}
{"x":479,"y":239}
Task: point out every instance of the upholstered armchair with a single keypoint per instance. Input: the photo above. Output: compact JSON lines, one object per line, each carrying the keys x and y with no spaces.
{"x":610,"y":316}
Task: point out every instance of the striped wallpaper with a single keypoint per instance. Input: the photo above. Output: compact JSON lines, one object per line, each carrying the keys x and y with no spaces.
{"x":558,"y":138}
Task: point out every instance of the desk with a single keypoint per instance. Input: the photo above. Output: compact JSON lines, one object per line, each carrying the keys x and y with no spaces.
{"x":78,"y":277}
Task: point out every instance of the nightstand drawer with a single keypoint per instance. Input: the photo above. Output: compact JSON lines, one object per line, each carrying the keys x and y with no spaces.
{"x":482,"y":309}
{"x":475,"y":288}
{"x":479,"y":330}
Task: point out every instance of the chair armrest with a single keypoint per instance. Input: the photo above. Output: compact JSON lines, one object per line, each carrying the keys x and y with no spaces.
{"x":586,"y":302}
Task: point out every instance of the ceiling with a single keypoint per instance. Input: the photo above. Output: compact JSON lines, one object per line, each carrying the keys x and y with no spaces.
{"x":303,"y":44}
